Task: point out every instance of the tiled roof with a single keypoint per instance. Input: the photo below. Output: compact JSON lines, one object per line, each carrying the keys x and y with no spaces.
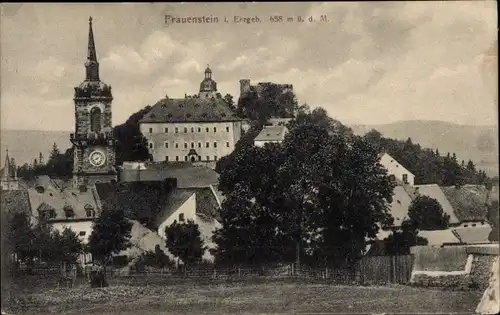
{"x":473,"y":235}
{"x":174,"y":200}
{"x":435,"y":192}
{"x":46,"y":194}
{"x":468,"y":201}
{"x":438,"y":237}
{"x":15,"y":201}
{"x":187,"y":175}
{"x":189,"y":110}
{"x":271,"y":133}
{"x":399,"y":207}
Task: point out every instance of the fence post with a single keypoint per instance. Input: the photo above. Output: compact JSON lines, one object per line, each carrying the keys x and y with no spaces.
{"x":326,"y":273}
{"x":239,"y":272}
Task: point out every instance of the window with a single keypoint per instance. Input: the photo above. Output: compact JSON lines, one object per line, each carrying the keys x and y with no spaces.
{"x":95,"y":119}
{"x":215,"y":144}
{"x":185,"y":145}
{"x":89,"y":212}
{"x":166,"y":130}
{"x":181,"y":217}
{"x":166,"y":145}
{"x":185,"y":130}
{"x":473,"y":225}
{"x":465,"y":225}
{"x":166,"y":158}
{"x":151,"y":145}
{"x":199,"y":144}
{"x":215,"y":157}
{"x":177,"y":158}
{"x":192,"y":145}
{"x":150,"y":130}
{"x":227,"y":129}
{"x":227,"y":144}
{"x":207,"y":145}
{"x":215,"y":129}
{"x":199,"y":157}
{"x":176,"y":130}
{"x":199,"y":129}
{"x":185,"y":158}
{"x":192,"y":129}
{"x":208,"y":129}
{"x":82,"y":233}
{"x":405,"y":178}
{"x":176,"y":145}
{"x":208,"y":158}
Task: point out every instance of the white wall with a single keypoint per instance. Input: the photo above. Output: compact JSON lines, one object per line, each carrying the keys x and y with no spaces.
{"x":156,"y":135}
{"x":261,"y":143}
{"x":77,"y":227}
{"x":396,"y":169}
{"x":188,"y":208}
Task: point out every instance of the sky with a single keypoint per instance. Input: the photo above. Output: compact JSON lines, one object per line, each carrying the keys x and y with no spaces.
{"x":371,"y":63}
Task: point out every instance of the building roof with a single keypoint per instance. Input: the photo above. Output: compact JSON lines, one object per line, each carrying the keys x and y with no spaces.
{"x":14,"y":201}
{"x":190,"y":109}
{"x":271,"y":133}
{"x":473,"y":235}
{"x":49,"y":195}
{"x":468,"y":201}
{"x":399,"y":206}
{"x":187,"y":175}
{"x":439,"y":237}
{"x":435,"y":192}
{"x":175,"y":199}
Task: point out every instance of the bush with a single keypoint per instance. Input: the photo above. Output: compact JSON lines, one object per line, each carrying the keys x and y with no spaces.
{"x":98,"y":279}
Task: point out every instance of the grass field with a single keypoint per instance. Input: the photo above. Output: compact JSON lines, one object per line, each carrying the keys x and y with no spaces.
{"x":243,"y":298}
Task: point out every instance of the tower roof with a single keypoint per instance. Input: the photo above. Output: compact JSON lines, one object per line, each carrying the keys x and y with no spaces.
{"x":7,"y":167}
{"x":208,"y":70}
{"x":91,"y":53}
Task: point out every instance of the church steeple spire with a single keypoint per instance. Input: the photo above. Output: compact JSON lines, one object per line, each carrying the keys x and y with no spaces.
{"x":7,"y":166}
{"x":92,"y":66}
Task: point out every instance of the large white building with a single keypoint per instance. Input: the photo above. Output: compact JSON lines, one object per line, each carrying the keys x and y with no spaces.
{"x":200,"y":128}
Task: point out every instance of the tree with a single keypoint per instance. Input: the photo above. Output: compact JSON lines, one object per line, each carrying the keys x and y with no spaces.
{"x":493,"y":221}
{"x":20,"y":236}
{"x":44,"y":246}
{"x":400,"y":241}
{"x":184,"y":241}
{"x":68,"y":246}
{"x":228,"y":98}
{"x":426,"y":213}
{"x":131,"y":144}
{"x":319,"y":194}
{"x":110,"y":235}
{"x":54,"y":152}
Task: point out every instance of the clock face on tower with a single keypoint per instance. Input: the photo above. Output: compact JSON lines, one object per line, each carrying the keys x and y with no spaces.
{"x":97,"y":158}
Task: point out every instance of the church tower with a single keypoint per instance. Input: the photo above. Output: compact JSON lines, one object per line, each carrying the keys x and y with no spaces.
{"x":8,"y":179}
{"x":93,"y":140}
{"x":208,"y":86}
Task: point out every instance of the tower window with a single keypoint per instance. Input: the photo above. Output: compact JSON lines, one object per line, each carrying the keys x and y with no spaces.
{"x":215,"y":144}
{"x":166,"y":130}
{"x":208,"y":130}
{"x":150,"y":130}
{"x":227,"y":129}
{"x":215,"y":129}
{"x":176,"y":130}
{"x":227,"y":144}
{"x":207,"y":144}
{"x":185,"y":130}
{"x":185,"y":145}
{"x":95,"y":119}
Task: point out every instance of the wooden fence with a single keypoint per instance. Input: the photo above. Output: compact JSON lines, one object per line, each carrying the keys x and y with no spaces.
{"x":371,"y":270}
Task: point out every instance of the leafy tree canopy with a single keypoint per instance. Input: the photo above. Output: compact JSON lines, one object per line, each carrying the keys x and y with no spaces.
{"x":425,"y":213}
{"x":184,"y":241}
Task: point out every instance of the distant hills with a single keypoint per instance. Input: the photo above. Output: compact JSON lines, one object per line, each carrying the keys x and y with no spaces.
{"x":478,"y":143}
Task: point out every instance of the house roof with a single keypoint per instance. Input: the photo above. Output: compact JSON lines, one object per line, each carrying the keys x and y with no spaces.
{"x":189,"y":110}
{"x":15,"y":201}
{"x":435,"y":192}
{"x":399,"y":206}
{"x":473,"y":235}
{"x":174,"y":200}
{"x":49,"y":195}
{"x":438,"y":237}
{"x":187,"y":175}
{"x":468,"y":201}
{"x":271,"y":133}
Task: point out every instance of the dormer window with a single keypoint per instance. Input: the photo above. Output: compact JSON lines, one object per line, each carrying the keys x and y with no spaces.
{"x":89,"y":211}
{"x":68,"y":211}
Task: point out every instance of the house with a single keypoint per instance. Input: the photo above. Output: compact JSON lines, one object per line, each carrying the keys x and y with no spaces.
{"x":200,"y":128}
{"x":396,"y":170}
{"x":64,"y":206}
{"x":270,"y":134}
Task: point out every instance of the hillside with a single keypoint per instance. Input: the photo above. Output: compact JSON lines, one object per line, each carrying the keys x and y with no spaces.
{"x":25,"y":145}
{"x":478,"y":143}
